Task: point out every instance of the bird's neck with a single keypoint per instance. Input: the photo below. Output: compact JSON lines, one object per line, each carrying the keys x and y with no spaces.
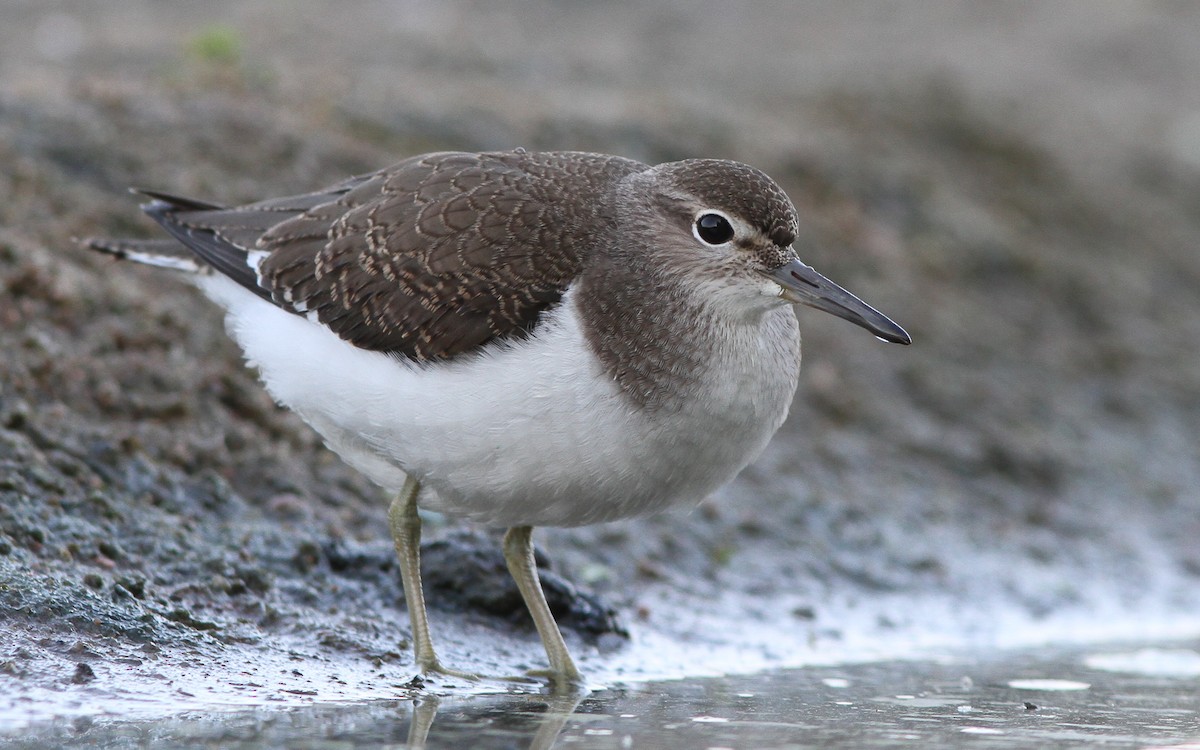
{"x":655,"y":337}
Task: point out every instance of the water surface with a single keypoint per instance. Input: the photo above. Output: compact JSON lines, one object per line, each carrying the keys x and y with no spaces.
{"x":1120,"y":697}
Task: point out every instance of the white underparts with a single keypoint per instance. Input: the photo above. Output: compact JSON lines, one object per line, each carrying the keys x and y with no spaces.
{"x":532,"y":432}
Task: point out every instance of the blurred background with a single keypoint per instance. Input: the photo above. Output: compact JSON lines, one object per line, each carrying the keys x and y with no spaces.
{"x":1017,"y":183}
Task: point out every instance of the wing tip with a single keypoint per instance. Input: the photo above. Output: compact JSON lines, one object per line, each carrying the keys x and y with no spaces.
{"x":162,"y":201}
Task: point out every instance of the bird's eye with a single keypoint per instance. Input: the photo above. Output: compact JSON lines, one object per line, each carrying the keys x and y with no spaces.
{"x":713,"y":229}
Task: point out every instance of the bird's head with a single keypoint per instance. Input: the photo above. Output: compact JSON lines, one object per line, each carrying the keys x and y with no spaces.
{"x":739,"y":229}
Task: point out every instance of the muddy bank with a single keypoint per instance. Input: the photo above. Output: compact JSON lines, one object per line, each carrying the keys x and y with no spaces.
{"x":1025,"y":471}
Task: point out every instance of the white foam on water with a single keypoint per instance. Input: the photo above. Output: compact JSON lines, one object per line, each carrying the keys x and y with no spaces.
{"x":1156,"y":662}
{"x":1048,"y":684}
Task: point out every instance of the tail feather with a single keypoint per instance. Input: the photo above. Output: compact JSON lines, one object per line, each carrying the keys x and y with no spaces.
{"x":161,"y":253}
{"x":210,"y":237}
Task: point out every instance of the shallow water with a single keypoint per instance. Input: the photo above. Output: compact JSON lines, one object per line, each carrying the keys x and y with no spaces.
{"x":1120,"y":697}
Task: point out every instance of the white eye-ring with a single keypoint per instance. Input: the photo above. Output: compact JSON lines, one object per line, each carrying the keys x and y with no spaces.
{"x":712,"y":227}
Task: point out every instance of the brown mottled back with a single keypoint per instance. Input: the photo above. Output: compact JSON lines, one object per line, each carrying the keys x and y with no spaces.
{"x":440,"y":253}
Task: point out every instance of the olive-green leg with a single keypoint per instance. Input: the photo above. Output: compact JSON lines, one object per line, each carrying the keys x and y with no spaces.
{"x":406,"y":535}
{"x":518,"y":553}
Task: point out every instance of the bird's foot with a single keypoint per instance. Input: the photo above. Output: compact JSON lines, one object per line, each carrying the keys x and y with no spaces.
{"x":434,"y":668}
{"x":560,"y":681}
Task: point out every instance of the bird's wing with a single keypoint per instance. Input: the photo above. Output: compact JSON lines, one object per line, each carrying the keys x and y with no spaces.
{"x":427,"y":259}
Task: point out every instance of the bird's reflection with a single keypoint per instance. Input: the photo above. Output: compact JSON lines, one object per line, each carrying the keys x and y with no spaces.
{"x":543,"y":715}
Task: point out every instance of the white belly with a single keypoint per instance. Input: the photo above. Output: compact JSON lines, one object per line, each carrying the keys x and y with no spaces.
{"x":528,"y":433}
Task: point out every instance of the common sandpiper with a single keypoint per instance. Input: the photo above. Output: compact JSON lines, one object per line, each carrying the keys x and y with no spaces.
{"x":521,"y":338}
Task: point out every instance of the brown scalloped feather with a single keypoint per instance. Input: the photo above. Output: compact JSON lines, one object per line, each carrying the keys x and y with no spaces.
{"x":427,"y":259}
